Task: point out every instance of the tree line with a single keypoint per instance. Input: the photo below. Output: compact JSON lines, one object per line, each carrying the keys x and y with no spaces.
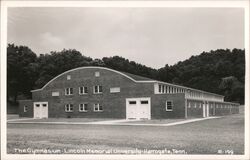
{"x":221,"y":71}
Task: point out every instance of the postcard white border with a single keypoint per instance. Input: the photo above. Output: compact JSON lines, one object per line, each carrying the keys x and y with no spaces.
{"x":215,"y":4}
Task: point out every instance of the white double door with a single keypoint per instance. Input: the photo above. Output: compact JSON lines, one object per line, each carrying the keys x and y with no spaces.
{"x":138,"y":108}
{"x":40,"y":109}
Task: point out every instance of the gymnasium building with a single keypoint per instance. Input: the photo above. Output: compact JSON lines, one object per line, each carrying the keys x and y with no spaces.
{"x":99,"y":92}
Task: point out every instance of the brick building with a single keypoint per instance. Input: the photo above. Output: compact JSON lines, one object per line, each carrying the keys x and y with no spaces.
{"x":98,"y":92}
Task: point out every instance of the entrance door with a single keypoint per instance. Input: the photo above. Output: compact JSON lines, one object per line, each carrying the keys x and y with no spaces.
{"x":40,"y":110}
{"x":204,"y":109}
{"x":138,"y":108}
{"x":207,"y":108}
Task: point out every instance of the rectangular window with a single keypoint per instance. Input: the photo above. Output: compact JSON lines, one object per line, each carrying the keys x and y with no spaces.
{"x":25,"y":108}
{"x":98,"y":107}
{"x":132,"y":102}
{"x":68,"y":91}
{"x":159,"y":88}
{"x":163,"y":88}
{"x":55,"y":94}
{"x":144,"y":102}
{"x":83,"y":90}
{"x":169,"y":105}
{"x":97,"y":89}
{"x":115,"y":90}
{"x":69,"y":108}
{"x":83,"y":107}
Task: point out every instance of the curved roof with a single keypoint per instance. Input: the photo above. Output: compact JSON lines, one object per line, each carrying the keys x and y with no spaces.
{"x":134,"y":78}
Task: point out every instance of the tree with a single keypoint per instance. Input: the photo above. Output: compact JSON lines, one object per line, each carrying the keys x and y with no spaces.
{"x":21,"y":71}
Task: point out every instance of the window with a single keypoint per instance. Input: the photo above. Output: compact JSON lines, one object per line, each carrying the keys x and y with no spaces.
{"x":83,"y":90}
{"x":169,"y":106}
{"x":55,"y":94}
{"x":115,"y":90}
{"x":132,"y":102}
{"x":144,"y":102}
{"x":68,"y":91}
{"x":98,"y":107}
{"x":159,"y":88}
{"x":163,"y":89}
{"x":68,"y":77}
{"x":69,"y":108}
{"x":83,"y":107}
{"x":97,"y":89}
{"x":25,"y":108}
{"x":37,"y":105}
{"x":97,"y":74}
{"x":44,"y":105}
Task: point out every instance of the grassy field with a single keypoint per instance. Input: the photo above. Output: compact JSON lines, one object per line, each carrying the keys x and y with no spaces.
{"x":203,"y":137}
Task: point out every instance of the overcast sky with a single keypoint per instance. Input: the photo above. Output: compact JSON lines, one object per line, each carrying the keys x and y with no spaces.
{"x":150,"y":36}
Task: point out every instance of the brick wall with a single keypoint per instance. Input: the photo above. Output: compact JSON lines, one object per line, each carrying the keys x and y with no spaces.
{"x":114,"y":104}
{"x":29,"y":104}
{"x":158,"y":106}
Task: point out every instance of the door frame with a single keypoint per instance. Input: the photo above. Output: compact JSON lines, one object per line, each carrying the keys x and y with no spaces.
{"x":138,"y":102}
{"x":47,"y":111}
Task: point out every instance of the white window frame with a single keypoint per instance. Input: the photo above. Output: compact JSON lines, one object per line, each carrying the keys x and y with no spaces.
{"x":68,"y":77}
{"x":97,"y":74}
{"x":55,"y":94}
{"x":172,"y":104}
{"x":160,"y":88}
{"x":67,"y":107}
{"x":115,"y":89}
{"x":98,"y":107}
{"x":85,"y":90}
{"x":83,"y":105}
{"x":67,"y":91}
{"x":25,"y":108}
{"x":98,"y":89}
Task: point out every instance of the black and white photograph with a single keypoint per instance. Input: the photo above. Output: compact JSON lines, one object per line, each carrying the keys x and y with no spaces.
{"x":125,"y":80}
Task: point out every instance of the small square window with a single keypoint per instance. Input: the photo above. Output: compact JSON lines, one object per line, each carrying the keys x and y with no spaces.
{"x":83,"y":90}
{"x":83,"y":107}
{"x":97,"y":74}
{"x":97,"y":89}
{"x":98,"y":107}
{"x":69,"y":108}
{"x":68,"y":91}
{"x":68,"y":77}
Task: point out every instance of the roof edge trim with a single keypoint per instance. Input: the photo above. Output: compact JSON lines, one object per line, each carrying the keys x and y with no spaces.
{"x":95,"y":67}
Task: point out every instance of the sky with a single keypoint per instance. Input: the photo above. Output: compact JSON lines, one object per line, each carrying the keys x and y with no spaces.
{"x":151,"y":36}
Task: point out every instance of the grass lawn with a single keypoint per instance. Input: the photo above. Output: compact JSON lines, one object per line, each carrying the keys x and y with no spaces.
{"x":203,"y":137}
